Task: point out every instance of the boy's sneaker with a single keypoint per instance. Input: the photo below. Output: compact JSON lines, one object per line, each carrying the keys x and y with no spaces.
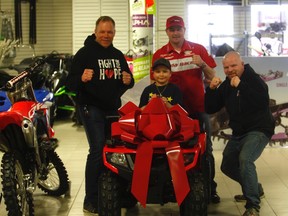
{"x":89,"y":208}
{"x":242,"y":198}
{"x":251,"y":212}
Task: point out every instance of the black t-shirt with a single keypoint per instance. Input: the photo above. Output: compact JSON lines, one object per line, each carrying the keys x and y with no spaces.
{"x":170,"y":91}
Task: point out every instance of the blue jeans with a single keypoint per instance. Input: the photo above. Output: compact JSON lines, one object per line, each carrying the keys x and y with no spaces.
{"x":95,"y":124}
{"x":239,"y":156}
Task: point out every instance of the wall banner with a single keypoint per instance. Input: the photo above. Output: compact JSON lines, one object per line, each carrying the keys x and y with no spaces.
{"x":143,"y":13}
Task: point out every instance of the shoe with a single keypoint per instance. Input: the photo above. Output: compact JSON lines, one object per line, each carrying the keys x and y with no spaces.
{"x":251,"y":212}
{"x":242,"y":198}
{"x":89,"y":208}
{"x":215,"y":198}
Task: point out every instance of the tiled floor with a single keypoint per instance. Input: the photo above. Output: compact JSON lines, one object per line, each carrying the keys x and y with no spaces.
{"x":271,"y":167}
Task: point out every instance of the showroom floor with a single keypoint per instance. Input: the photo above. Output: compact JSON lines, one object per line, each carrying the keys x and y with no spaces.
{"x":271,"y":168}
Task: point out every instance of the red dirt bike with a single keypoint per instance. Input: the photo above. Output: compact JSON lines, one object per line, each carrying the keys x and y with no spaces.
{"x":154,"y":156}
{"x":28,"y":143}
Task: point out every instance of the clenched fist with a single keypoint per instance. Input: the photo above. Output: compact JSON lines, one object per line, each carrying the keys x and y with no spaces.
{"x":126,"y":78}
{"x":234,"y":82}
{"x":87,"y":75}
{"x":215,"y":82}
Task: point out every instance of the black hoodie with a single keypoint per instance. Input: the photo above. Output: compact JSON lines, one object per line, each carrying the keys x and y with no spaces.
{"x":106,"y":87}
{"x":247,"y":105}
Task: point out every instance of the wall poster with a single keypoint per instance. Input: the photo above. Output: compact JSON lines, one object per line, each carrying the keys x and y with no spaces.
{"x":143,"y":13}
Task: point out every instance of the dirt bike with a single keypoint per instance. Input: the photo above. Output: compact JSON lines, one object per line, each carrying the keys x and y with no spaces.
{"x":38,"y":78}
{"x":60,"y":66}
{"x":42,"y":94}
{"x":49,"y":79}
{"x":28,"y":143}
{"x":154,"y":156}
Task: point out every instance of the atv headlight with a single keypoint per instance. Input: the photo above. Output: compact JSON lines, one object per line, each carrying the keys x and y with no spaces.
{"x":118,"y":158}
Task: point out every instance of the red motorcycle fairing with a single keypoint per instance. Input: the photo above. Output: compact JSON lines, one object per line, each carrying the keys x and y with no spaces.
{"x":153,"y":128}
{"x":17,"y":113}
{"x":21,"y":110}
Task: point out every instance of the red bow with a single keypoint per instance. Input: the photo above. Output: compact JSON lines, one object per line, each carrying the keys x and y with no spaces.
{"x":156,"y":126}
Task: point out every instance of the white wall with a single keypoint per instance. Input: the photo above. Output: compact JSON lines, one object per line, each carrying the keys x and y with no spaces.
{"x":53,"y":24}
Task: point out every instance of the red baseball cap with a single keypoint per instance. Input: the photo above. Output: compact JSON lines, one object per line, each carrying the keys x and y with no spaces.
{"x":174,"y":21}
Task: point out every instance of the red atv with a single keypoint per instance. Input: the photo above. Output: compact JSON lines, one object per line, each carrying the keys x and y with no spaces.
{"x":155,"y":156}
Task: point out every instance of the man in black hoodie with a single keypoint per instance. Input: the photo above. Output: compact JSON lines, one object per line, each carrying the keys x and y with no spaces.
{"x":100,"y":76}
{"x":245,"y":96}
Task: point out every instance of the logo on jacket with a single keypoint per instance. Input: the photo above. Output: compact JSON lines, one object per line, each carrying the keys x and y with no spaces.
{"x":109,"y":68}
{"x":182,"y":64}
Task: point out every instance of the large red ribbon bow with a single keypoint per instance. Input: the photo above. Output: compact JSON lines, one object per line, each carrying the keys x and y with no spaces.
{"x":156,"y":126}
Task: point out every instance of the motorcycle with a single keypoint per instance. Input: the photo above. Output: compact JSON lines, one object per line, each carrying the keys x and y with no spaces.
{"x":49,"y":80}
{"x":56,"y":69}
{"x":42,"y":95}
{"x":65,"y":100}
{"x":38,"y":78}
{"x":154,"y":156}
{"x":28,"y":145}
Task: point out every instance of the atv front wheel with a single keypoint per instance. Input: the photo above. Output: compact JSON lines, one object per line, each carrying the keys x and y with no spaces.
{"x":207,"y":173}
{"x":109,"y":194}
{"x":195,"y":202}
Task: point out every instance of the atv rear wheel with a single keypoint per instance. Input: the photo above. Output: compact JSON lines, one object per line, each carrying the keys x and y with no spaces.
{"x":195,"y":202}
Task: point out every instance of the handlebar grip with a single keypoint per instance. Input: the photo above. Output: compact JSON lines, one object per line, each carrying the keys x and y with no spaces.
{"x":14,"y":80}
{"x":10,"y":84}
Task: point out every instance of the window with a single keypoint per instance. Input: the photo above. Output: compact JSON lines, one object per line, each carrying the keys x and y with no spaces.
{"x":269,"y":21}
{"x":207,"y":26}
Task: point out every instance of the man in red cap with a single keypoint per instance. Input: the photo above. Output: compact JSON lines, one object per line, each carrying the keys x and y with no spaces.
{"x":191,"y":65}
{"x":174,"y":21}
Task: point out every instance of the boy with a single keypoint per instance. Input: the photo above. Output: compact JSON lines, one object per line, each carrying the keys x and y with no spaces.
{"x":170,"y":93}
